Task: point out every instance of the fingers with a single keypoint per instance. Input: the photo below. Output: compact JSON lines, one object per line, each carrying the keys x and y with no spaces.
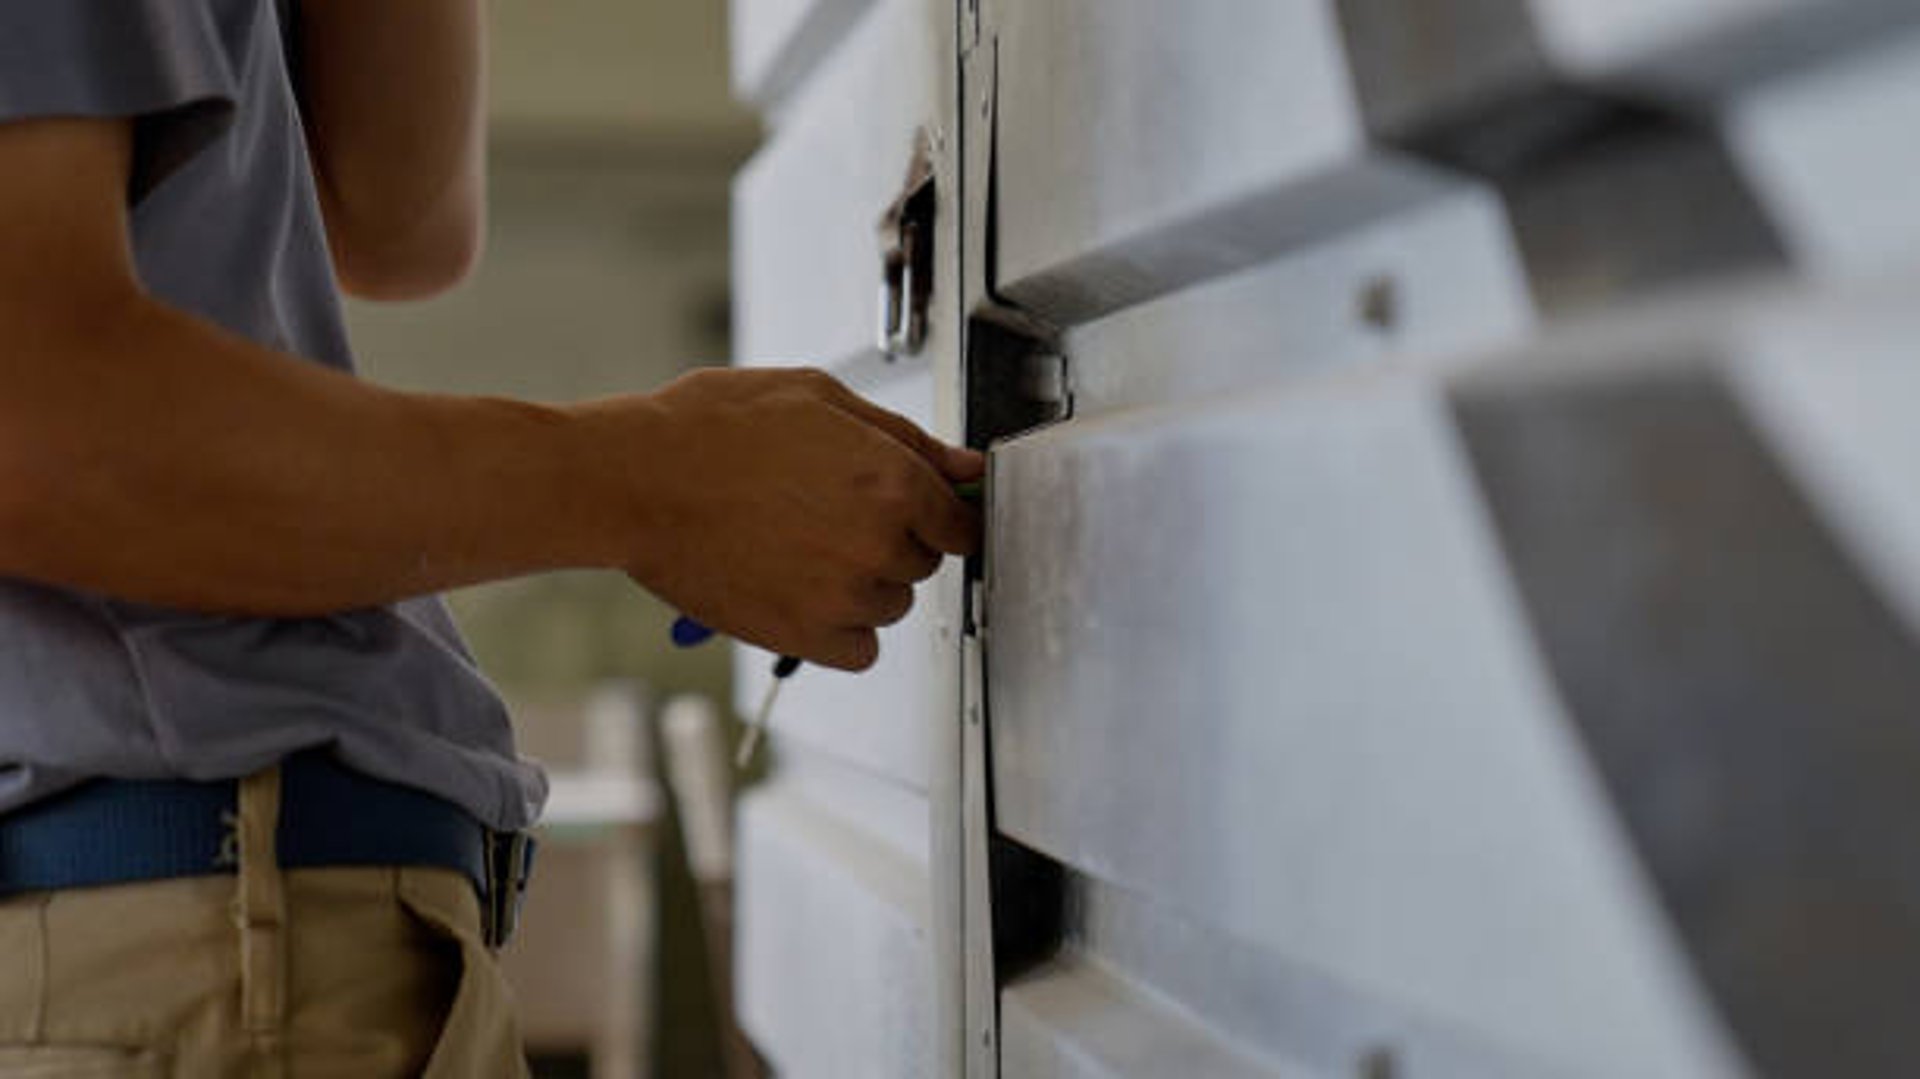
{"x":848,"y":650}
{"x":937,"y":517}
{"x":839,"y":632}
{"x":885,"y":604}
{"x":855,"y":646}
{"x":904,"y":430}
{"x":965,"y":465}
{"x":876,"y":513}
{"x":867,"y":605}
{"x":945,"y":523}
{"x":956,"y":463}
{"x":909,"y":562}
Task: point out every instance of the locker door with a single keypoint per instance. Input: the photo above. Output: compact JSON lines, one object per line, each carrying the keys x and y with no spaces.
{"x":835,"y":960}
{"x":1376,"y":670}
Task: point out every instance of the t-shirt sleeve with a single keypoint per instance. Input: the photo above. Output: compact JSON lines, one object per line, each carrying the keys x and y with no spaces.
{"x":161,"y":63}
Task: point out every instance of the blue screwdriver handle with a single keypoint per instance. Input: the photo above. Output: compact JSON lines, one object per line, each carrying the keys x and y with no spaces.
{"x":690,"y":634}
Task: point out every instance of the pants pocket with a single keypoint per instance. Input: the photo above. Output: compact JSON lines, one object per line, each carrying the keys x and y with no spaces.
{"x":79,"y":1062}
{"x":481,"y":1036}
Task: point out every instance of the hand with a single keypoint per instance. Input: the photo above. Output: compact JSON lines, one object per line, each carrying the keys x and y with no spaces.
{"x":786,"y":511}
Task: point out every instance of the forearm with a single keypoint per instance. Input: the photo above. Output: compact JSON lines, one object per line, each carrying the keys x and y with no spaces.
{"x":395,"y":108}
{"x":155,"y":458}
{"x":150,"y":456}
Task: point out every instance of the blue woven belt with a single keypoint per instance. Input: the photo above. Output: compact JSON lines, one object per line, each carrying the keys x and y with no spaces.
{"x":115,"y":831}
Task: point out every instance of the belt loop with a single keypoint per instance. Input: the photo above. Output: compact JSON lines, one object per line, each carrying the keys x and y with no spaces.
{"x":261,"y":914}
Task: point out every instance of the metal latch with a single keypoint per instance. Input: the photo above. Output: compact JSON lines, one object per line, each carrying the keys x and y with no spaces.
{"x":906,"y":260}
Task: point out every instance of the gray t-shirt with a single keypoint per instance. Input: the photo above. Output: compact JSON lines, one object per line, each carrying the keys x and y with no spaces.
{"x":226,"y":224}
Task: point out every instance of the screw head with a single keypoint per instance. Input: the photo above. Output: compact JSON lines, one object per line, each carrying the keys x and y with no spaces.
{"x":1379,"y":1063}
{"x":1379,"y":304}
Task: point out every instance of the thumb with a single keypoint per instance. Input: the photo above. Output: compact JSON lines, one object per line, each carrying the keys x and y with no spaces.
{"x":962,"y":465}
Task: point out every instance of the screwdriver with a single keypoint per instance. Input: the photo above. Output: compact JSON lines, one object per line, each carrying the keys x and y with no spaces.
{"x":688,"y":633}
{"x":783,"y":669}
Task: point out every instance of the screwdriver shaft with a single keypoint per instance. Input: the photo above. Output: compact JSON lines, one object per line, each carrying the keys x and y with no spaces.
{"x":757,"y":727}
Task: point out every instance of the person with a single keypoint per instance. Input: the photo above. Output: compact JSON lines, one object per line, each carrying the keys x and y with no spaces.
{"x":259,"y":813}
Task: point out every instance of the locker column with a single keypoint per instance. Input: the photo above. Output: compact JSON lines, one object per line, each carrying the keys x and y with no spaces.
{"x":835,"y":963}
{"x":1397,"y":673}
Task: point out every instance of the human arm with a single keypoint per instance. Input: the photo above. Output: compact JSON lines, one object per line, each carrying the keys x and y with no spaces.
{"x":394,"y":102}
{"x":148,"y":455}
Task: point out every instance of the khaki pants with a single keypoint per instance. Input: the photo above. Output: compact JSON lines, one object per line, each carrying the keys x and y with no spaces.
{"x":354,"y":973}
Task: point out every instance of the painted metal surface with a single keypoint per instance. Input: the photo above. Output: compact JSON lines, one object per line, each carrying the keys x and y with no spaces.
{"x":1831,"y":389}
{"x":834,"y":960}
{"x":1430,"y":284}
{"x":1745,"y":691}
{"x":1112,"y":187}
{"x":1830,"y":153}
{"x":776,"y":44}
{"x":1304,"y":668}
{"x":1748,"y":703}
{"x":1655,"y":207}
{"x":1241,"y":655}
{"x":808,"y":208}
{"x":1725,"y":671}
{"x":844,"y":937}
{"x":1425,"y":64}
{"x":1139,"y":988}
{"x":1076,"y":1021}
{"x":1708,"y":48}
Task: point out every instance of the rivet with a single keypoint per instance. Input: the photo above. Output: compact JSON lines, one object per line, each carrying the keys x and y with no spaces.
{"x":1379,"y":1064}
{"x":1380,"y":303}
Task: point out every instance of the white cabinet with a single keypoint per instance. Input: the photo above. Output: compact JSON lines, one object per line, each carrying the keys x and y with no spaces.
{"x":1110,"y":192}
{"x":1453,"y":559}
{"x":837,"y":956}
{"x":808,"y":207}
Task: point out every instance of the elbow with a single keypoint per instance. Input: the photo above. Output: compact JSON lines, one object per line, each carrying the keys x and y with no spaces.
{"x":394,"y":246}
{"x":392,"y":266}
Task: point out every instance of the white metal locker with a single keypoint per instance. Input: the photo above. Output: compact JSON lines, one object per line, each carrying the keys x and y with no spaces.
{"x":836,"y":956}
{"x":1453,"y":568}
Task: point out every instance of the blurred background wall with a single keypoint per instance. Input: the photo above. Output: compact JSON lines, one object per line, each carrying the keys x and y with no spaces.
{"x":614,"y":141}
{"x":606,"y":272}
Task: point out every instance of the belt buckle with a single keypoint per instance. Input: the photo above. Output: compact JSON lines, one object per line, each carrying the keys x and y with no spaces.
{"x":509,"y":866}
